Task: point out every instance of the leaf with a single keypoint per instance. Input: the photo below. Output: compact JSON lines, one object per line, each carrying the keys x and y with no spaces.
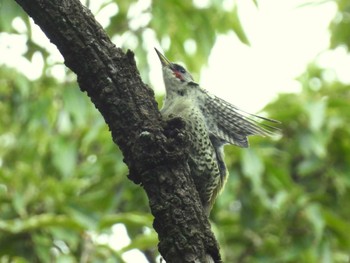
{"x":256,"y":3}
{"x":338,"y":225}
{"x":316,"y":111}
{"x":8,"y":11}
{"x":76,"y":104}
{"x":314,"y":214}
{"x":143,"y":242}
{"x":36,"y":222}
{"x":238,"y":28}
{"x":19,"y":204}
{"x":128,"y":219}
{"x":64,"y":155}
{"x":252,"y":166}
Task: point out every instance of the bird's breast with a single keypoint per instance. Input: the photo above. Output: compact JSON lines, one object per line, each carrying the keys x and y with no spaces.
{"x":178,"y":106}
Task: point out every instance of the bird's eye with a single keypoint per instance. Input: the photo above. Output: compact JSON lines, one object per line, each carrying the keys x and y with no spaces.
{"x":180,"y":69}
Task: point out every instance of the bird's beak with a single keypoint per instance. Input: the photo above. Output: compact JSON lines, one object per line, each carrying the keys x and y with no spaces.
{"x":165,"y":62}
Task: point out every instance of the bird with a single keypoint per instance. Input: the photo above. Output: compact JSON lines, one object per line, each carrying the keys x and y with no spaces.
{"x":211,"y":123}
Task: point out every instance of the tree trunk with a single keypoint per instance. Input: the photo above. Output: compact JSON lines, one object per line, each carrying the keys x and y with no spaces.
{"x":154,"y":151}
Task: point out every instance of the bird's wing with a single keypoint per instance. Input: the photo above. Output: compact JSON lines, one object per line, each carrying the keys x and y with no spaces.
{"x":232,"y":125}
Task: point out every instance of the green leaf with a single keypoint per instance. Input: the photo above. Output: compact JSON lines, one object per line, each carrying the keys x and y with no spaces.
{"x":128,"y":219}
{"x":9,"y":10}
{"x":314,"y":214}
{"x":252,"y":166}
{"x":64,"y":154}
{"x":339,"y":226}
{"x":36,"y":222}
{"x":316,"y":111}
{"x":237,"y":27}
{"x":256,"y":3}
{"x":143,"y":242}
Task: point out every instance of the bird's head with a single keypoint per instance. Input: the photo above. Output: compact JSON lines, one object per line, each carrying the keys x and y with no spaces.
{"x":173,"y":72}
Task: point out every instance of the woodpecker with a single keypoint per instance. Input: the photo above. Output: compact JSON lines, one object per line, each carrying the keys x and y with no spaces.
{"x":211,"y":123}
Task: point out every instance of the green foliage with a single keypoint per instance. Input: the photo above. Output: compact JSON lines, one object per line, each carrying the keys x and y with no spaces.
{"x":178,"y":20}
{"x":340,"y":26}
{"x":61,"y":176}
{"x":9,"y":10}
{"x":63,"y":184}
{"x":176,"y":23}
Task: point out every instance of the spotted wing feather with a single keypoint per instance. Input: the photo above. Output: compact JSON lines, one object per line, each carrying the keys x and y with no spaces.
{"x":231,"y":125}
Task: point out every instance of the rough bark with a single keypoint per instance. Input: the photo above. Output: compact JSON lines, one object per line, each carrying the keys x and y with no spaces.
{"x":154,"y":152}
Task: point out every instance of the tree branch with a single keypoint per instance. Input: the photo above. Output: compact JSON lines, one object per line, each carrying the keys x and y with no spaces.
{"x":154,"y":152}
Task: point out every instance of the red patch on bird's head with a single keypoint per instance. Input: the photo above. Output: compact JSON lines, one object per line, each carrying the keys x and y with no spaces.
{"x":178,"y":74}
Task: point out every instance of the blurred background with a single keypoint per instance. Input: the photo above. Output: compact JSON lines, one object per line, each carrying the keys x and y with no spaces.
{"x":64,"y":192}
